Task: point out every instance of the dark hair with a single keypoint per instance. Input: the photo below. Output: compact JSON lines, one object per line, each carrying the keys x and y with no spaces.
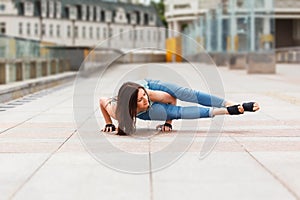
{"x":127,"y":107}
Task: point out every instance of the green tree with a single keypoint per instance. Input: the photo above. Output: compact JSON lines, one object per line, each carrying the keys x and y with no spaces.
{"x":160,"y":8}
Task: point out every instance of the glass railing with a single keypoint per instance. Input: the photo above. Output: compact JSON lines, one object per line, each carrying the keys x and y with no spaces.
{"x":19,"y":48}
{"x":239,"y":26}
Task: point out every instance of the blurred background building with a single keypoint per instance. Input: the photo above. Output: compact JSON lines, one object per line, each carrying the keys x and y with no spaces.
{"x":180,"y":13}
{"x":78,"y":23}
{"x":286,"y":15}
{"x":235,"y":26}
{"x":238,"y":33}
{"x":39,"y":35}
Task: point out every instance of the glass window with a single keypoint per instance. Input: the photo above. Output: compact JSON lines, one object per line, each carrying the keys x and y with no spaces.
{"x":151,"y":17}
{"x":44,"y":7}
{"x":2,"y":28}
{"x":259,"y":3}
{"x":141,"y":34}
{"x":135,"y":34}
{"x":68,"y":31}
{"x":28,"y":28}
{"x":130,"y":34}
{"x":2,"y":7}
{"x":72,"y":11}
{"x":36,"y":29}
{"x":83,"y":32}
{"x":98,"y":33}
{"x":28,"y":6}
{"x":20,"y":28}
{"x":58,"y":30}
{"x":51,"y":30}
{"x":58,"y":9}
{"x":91,"y":32}
{"x":104,"y":32}
{"x":296,"y":29}
{"x":110,"y":32}
{"x":76,"y":31}
{"x":149,"y":35}
{"x":159,"y":36}
{"x":43,"y":29}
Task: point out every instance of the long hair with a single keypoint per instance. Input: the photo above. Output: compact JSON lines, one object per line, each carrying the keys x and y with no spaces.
{"x":127,"y":107}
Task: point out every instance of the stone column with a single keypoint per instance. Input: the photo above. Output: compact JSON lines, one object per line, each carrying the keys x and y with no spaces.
{"x":233,"y":24}
{"x":176,"y":28}
{"x":219,"y":29}
{"x":170,"y":27}
{"x":208,"y":32}
{"x":267,"y":31}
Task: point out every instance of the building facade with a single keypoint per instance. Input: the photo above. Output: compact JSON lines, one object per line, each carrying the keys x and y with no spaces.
{"x":82,"y":23}
{"x":180,"y":13}
{"x":285,"y":19}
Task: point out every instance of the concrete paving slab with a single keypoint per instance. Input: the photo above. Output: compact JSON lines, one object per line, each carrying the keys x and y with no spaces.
{"x":79,"y":176}
{"x":265,"y":144}
{"x":48,"y":118}
{"x":16,"y":168}
{"x":284,"y":165}
{"x":73,"y":145}
{"x":216,"y":177}
{"x":243,"y":164}
{"x":25,"y":131}
{"x":15,"y":117}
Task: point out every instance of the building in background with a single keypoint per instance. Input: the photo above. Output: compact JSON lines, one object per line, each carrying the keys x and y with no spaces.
{"x":180,"y":13}
{"x":286,"y":14}
{"x":287,"y":23}
{"x":81,"y":23}
{"x":235,"y":26}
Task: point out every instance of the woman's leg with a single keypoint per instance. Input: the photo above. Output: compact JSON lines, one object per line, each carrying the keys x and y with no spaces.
{"x":163,"y":112}
{"x":187,"y":94}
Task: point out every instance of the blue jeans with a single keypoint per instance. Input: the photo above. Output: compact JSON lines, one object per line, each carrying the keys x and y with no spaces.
{"x":161,"y":111}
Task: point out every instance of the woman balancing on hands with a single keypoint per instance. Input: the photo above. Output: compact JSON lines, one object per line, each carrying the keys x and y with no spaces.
{"x":156,"y":100}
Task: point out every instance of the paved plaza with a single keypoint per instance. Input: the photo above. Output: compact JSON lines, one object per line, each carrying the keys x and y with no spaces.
{"x":257,"y":155}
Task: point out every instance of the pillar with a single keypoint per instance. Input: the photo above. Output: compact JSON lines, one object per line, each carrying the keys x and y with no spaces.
{"x":267,"y":31}
{"x":233,"y":25}
{"x":176,"y":28}
{"x":208,"y":32}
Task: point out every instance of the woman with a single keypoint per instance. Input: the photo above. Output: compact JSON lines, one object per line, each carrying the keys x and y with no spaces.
{"x":156,"y":100}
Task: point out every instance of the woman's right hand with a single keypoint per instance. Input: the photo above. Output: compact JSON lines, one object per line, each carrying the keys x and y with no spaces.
{"x":109,"y":128}
{"x":167,"y":127}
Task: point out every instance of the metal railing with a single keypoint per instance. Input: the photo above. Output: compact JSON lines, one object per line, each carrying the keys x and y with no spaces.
{"x":288,"y":55}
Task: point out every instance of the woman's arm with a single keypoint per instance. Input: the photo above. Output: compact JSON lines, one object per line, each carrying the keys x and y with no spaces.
{"x":107,"y":112}
{"x":162,"y":97}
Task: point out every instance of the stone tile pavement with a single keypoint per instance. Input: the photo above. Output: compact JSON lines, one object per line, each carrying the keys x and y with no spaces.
{"x":257,"y":155}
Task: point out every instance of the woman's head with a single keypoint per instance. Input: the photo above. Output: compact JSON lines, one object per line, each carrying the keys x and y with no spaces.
{"x":132,"y":98}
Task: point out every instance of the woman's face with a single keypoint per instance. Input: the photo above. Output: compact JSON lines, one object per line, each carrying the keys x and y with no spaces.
{"x":142,"y":100}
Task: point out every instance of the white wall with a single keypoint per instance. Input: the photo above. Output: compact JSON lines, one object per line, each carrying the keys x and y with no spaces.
{"x":28,"y":8}
{"x":9,"y":8}
{"x":120,"y":16}
{"x":12,"y":28}
{"x":53,"y":22}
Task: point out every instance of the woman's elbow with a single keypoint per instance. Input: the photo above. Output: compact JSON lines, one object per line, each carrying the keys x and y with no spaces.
{"x":102,"y":101}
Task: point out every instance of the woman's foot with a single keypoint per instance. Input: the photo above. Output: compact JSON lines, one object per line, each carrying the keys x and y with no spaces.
{"x":230,"y":110}
{"x":235,"y":109}
{"x":248,"y":106}
{"x":251,"y":106}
